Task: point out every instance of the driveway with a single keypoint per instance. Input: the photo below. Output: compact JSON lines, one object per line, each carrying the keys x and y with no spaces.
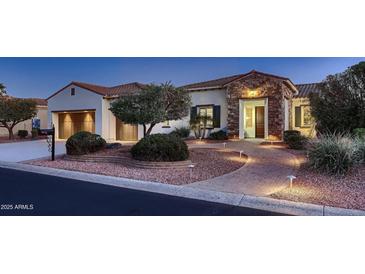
{"x":264,"y":173}
{"x":27,"y":150}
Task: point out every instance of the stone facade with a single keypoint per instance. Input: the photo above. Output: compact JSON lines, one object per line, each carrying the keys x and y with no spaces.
{"x":258,"y":86}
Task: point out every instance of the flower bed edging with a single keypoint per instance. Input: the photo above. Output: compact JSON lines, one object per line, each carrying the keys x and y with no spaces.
{"x":127,"y":161}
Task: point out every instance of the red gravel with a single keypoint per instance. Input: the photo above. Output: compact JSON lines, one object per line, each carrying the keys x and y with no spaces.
{"x":209,"y":163}
{"x":312,"y":187}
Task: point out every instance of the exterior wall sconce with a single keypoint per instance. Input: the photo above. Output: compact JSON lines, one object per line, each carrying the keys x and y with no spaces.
{"x":252,"y":93}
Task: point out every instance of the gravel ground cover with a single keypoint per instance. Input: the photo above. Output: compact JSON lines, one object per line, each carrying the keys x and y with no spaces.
{"x":208,"y":162}
{"x":313,"y":187}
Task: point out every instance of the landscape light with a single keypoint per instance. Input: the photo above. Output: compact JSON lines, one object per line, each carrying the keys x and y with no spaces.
{"x":291,"y":178}
{"x":191,"y":171}
{"x":224,"y":145}
{"x":241,"y":152}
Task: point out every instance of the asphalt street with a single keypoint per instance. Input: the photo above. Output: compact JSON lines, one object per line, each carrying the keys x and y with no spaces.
{"x":25,"y":193}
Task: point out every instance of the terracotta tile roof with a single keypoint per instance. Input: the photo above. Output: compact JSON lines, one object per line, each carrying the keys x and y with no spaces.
{"x":221,"y":82}
{"x":39,"y":101}
{"x":306,"y":89}
{"x":120,"y":90}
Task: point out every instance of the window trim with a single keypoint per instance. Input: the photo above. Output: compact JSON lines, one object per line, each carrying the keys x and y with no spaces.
{"x":302,"y":116}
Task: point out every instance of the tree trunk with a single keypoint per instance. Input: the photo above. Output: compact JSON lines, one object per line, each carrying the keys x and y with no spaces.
{"x":11,"y":134}
{"x":144,"y":130}
{"x":150,"y":129}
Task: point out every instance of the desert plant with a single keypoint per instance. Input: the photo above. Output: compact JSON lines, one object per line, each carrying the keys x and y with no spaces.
{"x":288,"y":133}
{"x":296,"y":141}
{"x":218,"y":135}
{"x":22,"y":133}
{"x":182,"y":132}
{"x":199,"y":125}
{"x":84,"y":142}
{"x":359,"y":133}
{"x":160,"y":148}
{"x":359,"y":150}
{"x":333,"y":154}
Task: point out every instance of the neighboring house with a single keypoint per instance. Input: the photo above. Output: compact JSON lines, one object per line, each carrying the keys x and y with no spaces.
{"x":250,"y":105}
{"x":42,"y":115}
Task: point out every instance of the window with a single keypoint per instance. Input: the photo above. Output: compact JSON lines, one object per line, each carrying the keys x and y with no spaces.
{"x":303,"y":117}
{"x":166,"y":123}
{"x":249,"y":117}
{"x":73,"y":91}
{"x":206,"y":111}
{"x":306,"y":117}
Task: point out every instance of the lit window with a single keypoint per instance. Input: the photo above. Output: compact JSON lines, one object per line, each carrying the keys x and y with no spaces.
{"x":306,"y":116}
{"x":166,"y":123}
{"x":73,"y":91}
{"x":206,"y":112}
{"x":249,"y":117}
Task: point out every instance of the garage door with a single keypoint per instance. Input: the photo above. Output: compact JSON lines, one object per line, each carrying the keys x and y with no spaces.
{"x":72,"y":122}
{"x":126,"y":132}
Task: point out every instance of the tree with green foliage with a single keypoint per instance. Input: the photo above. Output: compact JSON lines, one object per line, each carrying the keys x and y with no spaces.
{"x":2,"y":89}
{"x":340,"y":106}
{"x":15,"y":110}
{"x":152,"y":105}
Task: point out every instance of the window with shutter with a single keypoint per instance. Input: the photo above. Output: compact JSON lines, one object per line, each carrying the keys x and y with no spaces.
{"x":217,"y":116}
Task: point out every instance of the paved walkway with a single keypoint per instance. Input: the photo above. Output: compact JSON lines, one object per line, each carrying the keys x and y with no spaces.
{"x":27,"y":150}
{"x":264,"y":173}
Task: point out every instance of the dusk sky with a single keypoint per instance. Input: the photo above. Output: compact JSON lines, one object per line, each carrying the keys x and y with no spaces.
{"x":40,"y":77}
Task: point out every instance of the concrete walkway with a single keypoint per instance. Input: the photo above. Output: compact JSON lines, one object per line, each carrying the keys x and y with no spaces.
{"x":264,"y":173}
{"x":27,"y":150}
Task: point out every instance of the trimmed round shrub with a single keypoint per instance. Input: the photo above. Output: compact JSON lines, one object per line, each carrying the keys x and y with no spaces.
{"x":182,"y":132}
{"x":84,"y":142}
{"x":22,"y":133}
{"x":333,"y":154}
{"x":359,"y":133}
{"x":160,"y":148}
{"x":296,"y":141}
{"x":288,"y":133}
{"x":218,"y":135}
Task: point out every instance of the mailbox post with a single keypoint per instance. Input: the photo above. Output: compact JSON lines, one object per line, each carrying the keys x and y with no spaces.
{"x":50,"y":132}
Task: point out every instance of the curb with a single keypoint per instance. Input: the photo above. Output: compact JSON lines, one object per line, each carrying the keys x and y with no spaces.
{"x":240,"y":200}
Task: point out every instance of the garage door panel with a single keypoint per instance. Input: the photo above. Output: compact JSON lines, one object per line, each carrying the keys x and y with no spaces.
{"x":126,"y":132}
{"x":71,"y":123}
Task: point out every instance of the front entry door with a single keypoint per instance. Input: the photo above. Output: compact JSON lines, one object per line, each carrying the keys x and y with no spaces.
{"x":260,"y":122}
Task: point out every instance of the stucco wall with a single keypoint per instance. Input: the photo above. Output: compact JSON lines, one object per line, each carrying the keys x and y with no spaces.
{"x":83,"y":99}
{"x":27,"y":125}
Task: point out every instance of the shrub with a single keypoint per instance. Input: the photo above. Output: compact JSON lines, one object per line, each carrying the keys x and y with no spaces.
{"x":333,"y":154}
{"x":34,"y":133}
{"x":288,"y":133}
{"x":359,"y":133}
{"x":22,"y":133}
{"x":360,"y":150}
{"x":182,"y":132}
{"x":218,"y":135}
{"x":296,"y":141}
{"x":160,"y":148}
{"x":84,"y":142}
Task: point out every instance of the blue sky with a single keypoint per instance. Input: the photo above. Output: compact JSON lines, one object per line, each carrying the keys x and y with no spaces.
{"x":40,"y":77}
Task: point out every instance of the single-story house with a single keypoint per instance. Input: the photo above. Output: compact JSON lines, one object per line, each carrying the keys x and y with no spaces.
{"x":250,"y":105}
{"x":42,"y":115}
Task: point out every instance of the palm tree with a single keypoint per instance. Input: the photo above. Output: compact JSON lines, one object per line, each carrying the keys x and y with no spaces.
{"x":2,"y":90}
